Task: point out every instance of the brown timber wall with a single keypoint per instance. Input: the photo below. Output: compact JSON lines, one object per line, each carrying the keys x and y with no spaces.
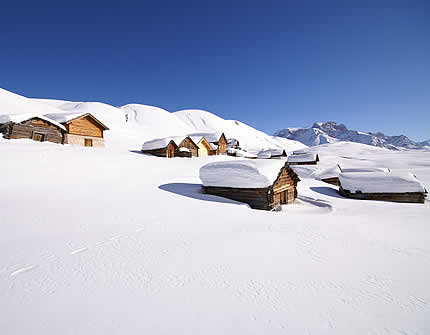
{"x":257,"y":198}
{"x":85,"y":127}
{"x":27,"y":128}
{"x":187,"y":143}
{"x":409,"y":197}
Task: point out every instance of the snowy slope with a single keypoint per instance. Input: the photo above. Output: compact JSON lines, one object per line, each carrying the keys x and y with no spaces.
{"x":330,"y":132}
{"x":87,"y":246}
{"x":249,"y":138}
{"x":11,"y":103}
{"x":154,"y":122}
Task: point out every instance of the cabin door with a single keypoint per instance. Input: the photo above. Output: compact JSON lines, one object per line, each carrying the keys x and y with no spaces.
{"x":88,"y":142}
{"x":170,"y":152}
{"x":284,"y":198}
{"x":38,"y":137}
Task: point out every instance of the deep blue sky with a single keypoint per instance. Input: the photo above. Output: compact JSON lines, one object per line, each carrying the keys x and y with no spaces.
{"x":270,"y":64}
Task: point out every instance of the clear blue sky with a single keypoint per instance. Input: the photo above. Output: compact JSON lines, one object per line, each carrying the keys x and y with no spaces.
{"x":270,"y":64}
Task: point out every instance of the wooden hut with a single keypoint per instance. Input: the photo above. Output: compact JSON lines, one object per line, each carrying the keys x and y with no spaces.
{"x":163,"y":147}
{"x":217,"y":141}
{"x":385,"y":186}
{"x":262,"y":184}
{"x":81,"y":129}
{"x":204,"y":147}
{"x":30,"y":126}
{"x":189,"y":144}
{"x":303,"y":159}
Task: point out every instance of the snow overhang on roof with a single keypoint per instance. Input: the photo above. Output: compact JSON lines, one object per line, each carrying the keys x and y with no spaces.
{"x":380,"y":182}
{"x":241,"y":173}
{"x":69,"y":117}
{"x":308,"y":157}
{"x":18,"y":118}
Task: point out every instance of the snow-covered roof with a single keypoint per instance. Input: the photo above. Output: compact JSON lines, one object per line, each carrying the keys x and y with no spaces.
{"x":241,"y":153}
{"x":269,"y":153}
{"x":331,"y":172}
{"x":241,"y":173}
{"x":213,"y":146}
{"x":160,"y":143}
{"x":210,"y":137}
{"x":18,"y":118}
{"x":308,"y":157}
{"x":365,"y":169}
{"x":196,"y":139}
{"x":380,"y":182}
{"x":64,"y":117}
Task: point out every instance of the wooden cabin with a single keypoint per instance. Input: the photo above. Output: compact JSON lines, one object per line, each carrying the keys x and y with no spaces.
{"x":81,"y":129}
{"x":189,"y":144}
{"x":218,"y":142}
{"x":204,"y":146}
{"x":261,"y":184}
{"x":26,"y":126}
{"x":303,"y":159}
{"x":384,"y":186}
{"x":163,"y":147}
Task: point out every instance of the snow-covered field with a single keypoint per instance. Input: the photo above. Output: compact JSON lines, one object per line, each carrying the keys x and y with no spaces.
{"x":110,"y":241}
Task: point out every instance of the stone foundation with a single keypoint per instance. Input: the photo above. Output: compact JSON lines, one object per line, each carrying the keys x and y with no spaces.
{"x":80,"y":140}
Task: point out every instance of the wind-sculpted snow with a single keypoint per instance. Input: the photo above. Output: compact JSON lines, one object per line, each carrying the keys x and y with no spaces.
{"x":107,"y":241}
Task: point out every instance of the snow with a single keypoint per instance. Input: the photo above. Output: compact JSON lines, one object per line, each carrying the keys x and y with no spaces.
{"x":241,"y":153}
{"x":241,"y":173}
{"x":268,"y":153}
{"x":64,"y":117}
{"x":306,"y":157}
{"x":365,"y":169}
{"x":18,"y":118}
{"x":331,"y":172}
{"x":250,"y":139}
{"x":111,"y":241}
{"x":159,"y":143}
{"x":380,"y":182}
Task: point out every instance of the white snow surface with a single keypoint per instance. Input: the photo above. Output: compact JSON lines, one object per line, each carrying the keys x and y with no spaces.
{"x":110,"y":241}
{"x":241,"y":173}
{"x":305,"y":157}
{"x":380,"y":182}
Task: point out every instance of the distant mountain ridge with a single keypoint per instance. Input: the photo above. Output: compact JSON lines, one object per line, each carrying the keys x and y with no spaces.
{"x":330,"y":132}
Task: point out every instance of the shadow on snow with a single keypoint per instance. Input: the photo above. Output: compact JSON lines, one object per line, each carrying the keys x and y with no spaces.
{"x":327,"y":191}
{"x":194,"y":191}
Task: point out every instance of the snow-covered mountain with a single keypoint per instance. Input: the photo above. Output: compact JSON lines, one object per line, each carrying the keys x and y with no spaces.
{"x":330,"y":132}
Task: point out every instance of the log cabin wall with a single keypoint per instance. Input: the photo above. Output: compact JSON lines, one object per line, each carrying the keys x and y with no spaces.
{"x":257,"y":198}
{"x":84,"y":126}
{"x":35,"y":128}
{"x":170,"y":151}
{"x":407,"y":197}
{"x":222,"y":146}
{"x":187,"y":143}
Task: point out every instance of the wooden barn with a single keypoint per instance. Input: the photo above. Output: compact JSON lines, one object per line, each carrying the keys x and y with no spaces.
{"x":303,"y":159}
{"x":262,"y":184}
{"x":163,"y":147}
{"x":36,"y":127}
{"x":81,"y":129}
{"x":218,"y":142}
{"x":203,"y":145}
{"x":384,"y":186}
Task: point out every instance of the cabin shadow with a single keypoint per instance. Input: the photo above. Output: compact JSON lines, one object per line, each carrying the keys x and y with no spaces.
{"x":326,"y":191}
{"x":194,"y":191}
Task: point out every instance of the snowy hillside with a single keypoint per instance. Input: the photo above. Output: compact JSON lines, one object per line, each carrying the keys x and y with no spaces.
{"x":88,"y":247}
{"x":249,"y":138}
{"x":330,"y":132}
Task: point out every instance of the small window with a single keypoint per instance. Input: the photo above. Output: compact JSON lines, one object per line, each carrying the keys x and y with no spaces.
{"x":88,"y":142}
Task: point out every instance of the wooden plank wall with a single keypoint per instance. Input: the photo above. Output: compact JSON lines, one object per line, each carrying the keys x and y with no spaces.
{"x":85,"y":127}
{"x":257,"y":198}
{"x":408,"y":197}
{"x":26,"y":129}
{"x":187,"y":143}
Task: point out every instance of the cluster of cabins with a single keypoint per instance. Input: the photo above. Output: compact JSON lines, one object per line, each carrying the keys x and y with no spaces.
{"x":257,"y":180}
{"x":62,"y":128}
